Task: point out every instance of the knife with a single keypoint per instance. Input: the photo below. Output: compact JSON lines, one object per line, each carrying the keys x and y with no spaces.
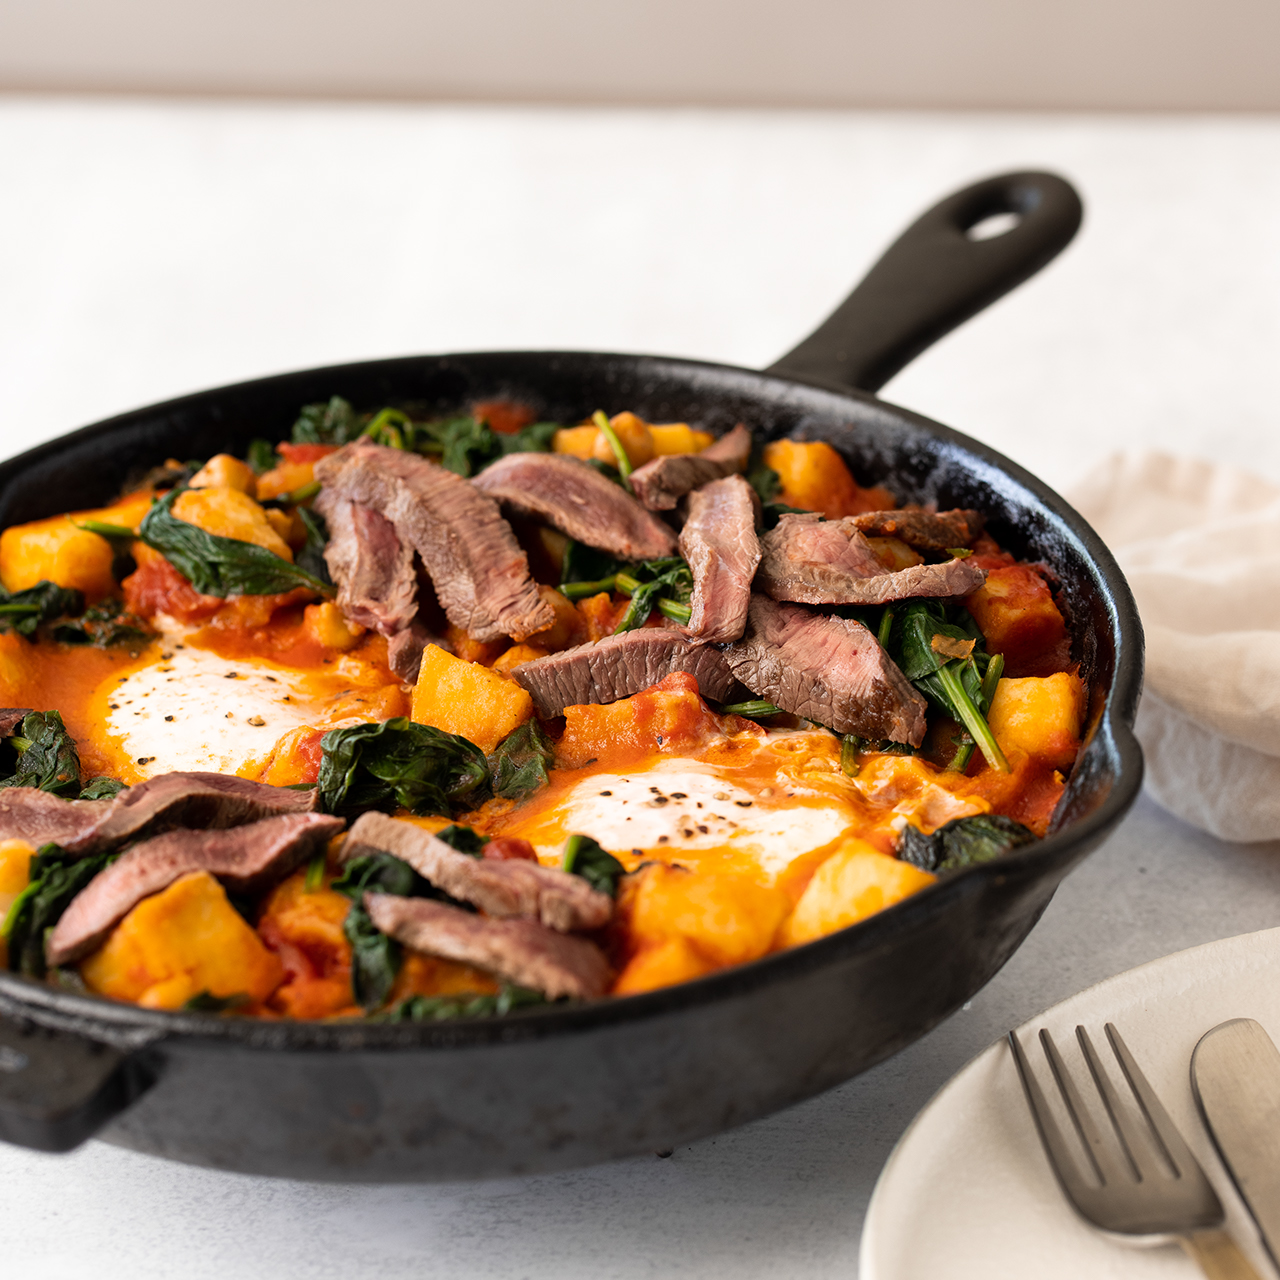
{"x":1235,"y":1075}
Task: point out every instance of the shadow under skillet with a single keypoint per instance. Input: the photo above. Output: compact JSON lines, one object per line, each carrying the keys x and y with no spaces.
{"x":783,"y":1196}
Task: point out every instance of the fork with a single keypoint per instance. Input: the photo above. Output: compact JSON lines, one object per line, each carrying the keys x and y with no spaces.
{"x":1149,"y":1187}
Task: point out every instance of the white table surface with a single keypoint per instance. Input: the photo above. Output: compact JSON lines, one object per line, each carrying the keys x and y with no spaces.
{"x":149,"y":249}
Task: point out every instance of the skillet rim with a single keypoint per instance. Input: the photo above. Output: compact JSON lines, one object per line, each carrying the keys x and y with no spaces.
{"x":1051,"y":857}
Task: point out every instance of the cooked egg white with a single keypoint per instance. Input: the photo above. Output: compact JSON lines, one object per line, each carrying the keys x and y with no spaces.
{"x":186,"y":708}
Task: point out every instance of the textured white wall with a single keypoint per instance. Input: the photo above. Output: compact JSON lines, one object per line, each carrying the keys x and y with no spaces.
{"x":1106,"y":54}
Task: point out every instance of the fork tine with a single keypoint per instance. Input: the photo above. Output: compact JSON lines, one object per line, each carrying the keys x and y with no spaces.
{"x":1184,"y":1164}
{"x":1110,"y":1171}
{"x":1130,"y":1139}
{"x":1060,"y":1157}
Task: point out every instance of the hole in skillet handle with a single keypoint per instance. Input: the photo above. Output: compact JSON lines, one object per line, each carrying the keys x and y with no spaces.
{"x":57,"y":1089}
{"x":994,"y":224}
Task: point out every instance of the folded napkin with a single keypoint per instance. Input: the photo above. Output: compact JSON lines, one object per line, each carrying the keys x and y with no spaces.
{"x":1200,"y":546}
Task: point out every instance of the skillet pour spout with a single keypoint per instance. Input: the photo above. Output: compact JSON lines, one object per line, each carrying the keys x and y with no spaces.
{"x":565,"y":1086}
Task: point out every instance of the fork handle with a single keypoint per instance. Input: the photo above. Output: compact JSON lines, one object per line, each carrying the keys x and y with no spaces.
{"x":1218,"y":1256}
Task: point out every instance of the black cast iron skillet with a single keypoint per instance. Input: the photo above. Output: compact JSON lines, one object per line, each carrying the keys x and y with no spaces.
{"x":553,"y":1088}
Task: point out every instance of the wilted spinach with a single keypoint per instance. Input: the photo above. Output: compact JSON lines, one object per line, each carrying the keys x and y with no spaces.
{"x":101,"y":788}
{"x":24,"y":611}
{"x":463,"y":839}
{"x":311,"y":557}
{"x":520,"y":762}
{"x":398,"y":762}
{"x":218,"y":566}
{"x":207,"y":1002}
{"x":439,"y":1008}
{"x":55,"y":878}
{"x":333,"y":422}
{"x":42,"y":754}
{"x":103,"y":625}
{"x":260,"y":456}
{"x":584,"y":857}
{"x":668,"y":584}
{"x":963,"y":842}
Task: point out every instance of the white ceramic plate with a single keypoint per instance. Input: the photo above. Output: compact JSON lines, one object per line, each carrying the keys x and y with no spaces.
{"x":968,"y":1191}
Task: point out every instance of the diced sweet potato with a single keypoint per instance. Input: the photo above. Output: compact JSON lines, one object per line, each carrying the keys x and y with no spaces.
{"x":422,"y":975}
{"x":663,"y":965}
{"x":568,"y":628}
{"x":304,"y":928}
{"x":295,"y":758}
{"x":468,"y":699}
{"x":601,"y":613}
{"x":895,"y":554}
{"x":633,"y":435}
{"x":326,"y":625}
{"x":1015,"y":611}
{"x":228,"y":513}
{"x":15,"y":861}
{"x":369,"y":702}
{"x":853,"y":883}
{"x":222,"y":471}
{"x":678,"y":437}
{"x":577,"y":442}
{"x":469,"y":649}
{"x":284,"y":479}
{"x":514,"y":656}
{"x":815,"y":478}
{"x":1040,"y":716}
{"x":55,"y":549}
{"x":183,"y":941}
{"x":728,"y":919}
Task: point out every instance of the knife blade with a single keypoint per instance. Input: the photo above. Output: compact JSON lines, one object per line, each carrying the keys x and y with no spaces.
{"x":1235,"y":1075}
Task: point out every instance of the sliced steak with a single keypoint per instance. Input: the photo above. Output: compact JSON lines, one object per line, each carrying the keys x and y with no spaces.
{"x":498,"y":887}
{"x":519,"y":951}
{"x":812,"y":561}
{"x":579,"y":501}
{"x":404,"y":650}
{"x":38,"y":817}
{"x":924,"y":530}
{"x":377,"y":585}
{"x":662,"y":482}
{"x":719,"y":542}
{"x":480,"y":574}
{"x":11,"y":718}
{"x":828,"y":670}
{"x":210,"y":801}
{"x":245,"y":859}
{"x":619,"y":666}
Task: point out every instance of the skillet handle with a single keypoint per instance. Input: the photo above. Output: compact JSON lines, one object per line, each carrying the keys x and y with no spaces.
{"x":58,"y":1089}
{"x":935,"y":276}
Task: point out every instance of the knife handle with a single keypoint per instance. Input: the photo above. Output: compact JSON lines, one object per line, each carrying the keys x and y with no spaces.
{"x":1218,"y":1256}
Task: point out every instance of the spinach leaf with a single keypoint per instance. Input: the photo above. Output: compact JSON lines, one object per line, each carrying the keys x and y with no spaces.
{"x":668,"y":584}
{"x":217,"y":566}
{"x":439,"y":1008}
{"x":398,"y":762}
{"x":333,"y":423}
{"x":311,"y":557}
{"x":535,"y":438}
{"x":56,"y":878}
{"x":463,"y":839}
{"x":23,"y":611}
{"x":586,"y":571}
{"x":102,"y":626}
{"x":963,"y":842}
{"x":101,"y":788}
{"x":584,"y":857}
{"x":920,"y":634}
{"x":375,"y":957}
{"x":44,"y":756}
{"x":520,"y":762}
{"x":261,"y":456}
{"x":207,"y":1002}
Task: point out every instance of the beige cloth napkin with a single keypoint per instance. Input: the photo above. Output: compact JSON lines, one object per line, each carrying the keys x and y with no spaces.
{"x":1200,"y":546}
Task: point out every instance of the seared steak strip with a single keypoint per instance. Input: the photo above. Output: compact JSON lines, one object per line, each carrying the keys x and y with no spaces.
{"x":404,"y":650}
{"x":924,"y":530}
{"x":579,"y":501}
{"x":662,"y":482}
{"x":39,"y":817}
{"x":377,"y":585}
{"x":814,"y":561}
{"x":480,"y":575}
{"x":720,"y":544}
{"x":11,"y":718}
{"x":828,"y":670}
{"x":619,"y":666}
{"x":498,"y":887}
{"x":245,"y":859}
{"x":519,"y":951}
{"x":202,"y":800}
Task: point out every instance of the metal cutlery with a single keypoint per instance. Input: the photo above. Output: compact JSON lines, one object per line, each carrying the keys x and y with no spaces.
{"x":1140,"y":1181}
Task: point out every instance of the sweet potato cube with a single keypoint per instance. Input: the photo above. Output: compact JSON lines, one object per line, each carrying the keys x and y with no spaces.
{"x":675,"y":960}
{"x":678,"y":437}
{"x":326,"y":626}
{"x":285,"y":478}
{"x":15,"y":861}
{"x":728,"y":919}
{"x":856,"y":881}
{"x":228,"y":513}
{"x":633,"y":435}
{"x":468,"y":699}
{"x":56,"y":550}
{"x":577,"y":442}
{"x":814,"y":477}
{"x":1039,"y":715}
{"x":567,"y":629}
{"x":1015,"y":611}
{"x":183,"y":941}
{"x":517,"y":654}
{"x":222,"y":471}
